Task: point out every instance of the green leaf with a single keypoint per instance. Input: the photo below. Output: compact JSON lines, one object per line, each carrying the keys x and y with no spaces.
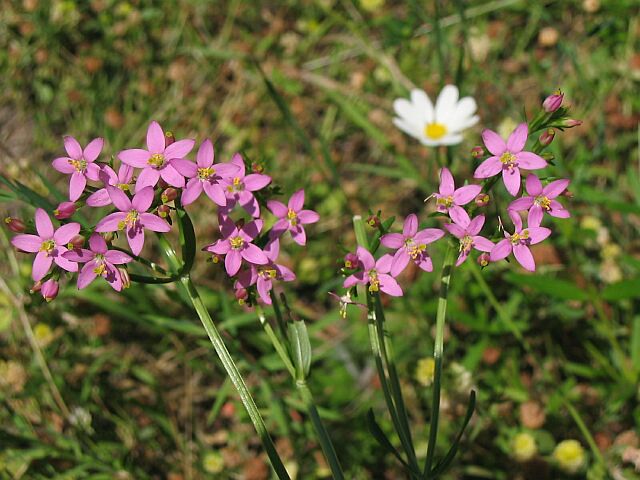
{"x":554,"y":287}
{"x":300,"y":348}
{"x":187,"y":239}
{"x":384,"y":442}
{"x":622,"y":290}
{"x":635,"y":343}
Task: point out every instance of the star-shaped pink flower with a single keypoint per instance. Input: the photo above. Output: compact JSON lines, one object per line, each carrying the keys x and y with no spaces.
{"x":240,"y":188}
{"x":541,"y":200}
{"x":451,"y":198}
{"x":375,"y":273}
{"x":518,"y":242}
{"x":80,"y":164}
{"x":466,"y":230}
{"x":292,"y":217}
{"x":122,"y":180}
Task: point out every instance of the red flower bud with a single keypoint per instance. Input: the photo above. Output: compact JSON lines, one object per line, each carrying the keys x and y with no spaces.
{"x":351,"y":260}
{"x":15,"y":224}
{"x":163,"y":211}
{"x":257,"y":167}
{"x":373,"y":221}
{"x":570,"y":123}
{"x":482,"y":200}
{"x":36,"y":287}
{"x":553,"y":102}
{"x":241,"y":295}
{"x":49,"y":289}
{"x":169,"y":138}
{"x":76,"y":242}
{"x":477,"y":151}
{"x":484,"y":259}
{"x":65,"y":210}
{"x":547,"y":137}
{"x":169,"y":195}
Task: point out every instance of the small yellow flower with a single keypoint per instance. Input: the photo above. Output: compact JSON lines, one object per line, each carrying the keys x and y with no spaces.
{"x":43,"y":334}
{"x":425,"y":371}
{"x":591,"y":223}
{"x":524,"y":447}
{"x":212,"y":462}
{"x":570,"y":455}
{"x":611,"y":251}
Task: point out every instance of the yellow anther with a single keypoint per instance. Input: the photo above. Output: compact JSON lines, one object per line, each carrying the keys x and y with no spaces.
{"x":236,"y":242}
{"x":205,"y":173}
{"x":508,"y":159}
{"x":543,"y":202}
{"x":445,"y":201}
{"x":292,"y":217}
{"x":156,"y":160}
{"x":47,"y":246}
{"x":79,"y":165}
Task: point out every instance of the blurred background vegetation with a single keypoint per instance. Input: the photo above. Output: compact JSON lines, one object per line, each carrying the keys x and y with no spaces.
{"x":306,"y":87}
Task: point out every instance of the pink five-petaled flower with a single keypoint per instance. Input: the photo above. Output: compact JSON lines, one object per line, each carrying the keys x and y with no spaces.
{"x":411,"y":245}
{"x":157,"y":160}
{"x":204,"y":175}
{"x":236,"y":245}
{"x":132,"y":217}
{"x":99,"y":261}
{"x":519,"y":242}
{"x":291,"y":217}
{"x":122,"y":180}
{"x":49,"y":245}
{"x":508,"y":157}
{"x":466,"y":230}
{"x":240,"y":188}
{"x":375,"y":273}
{"x":541,"y":200}
{"x":80,"y":164}
{"x":451,"y":198}
{"x":263,"y":275}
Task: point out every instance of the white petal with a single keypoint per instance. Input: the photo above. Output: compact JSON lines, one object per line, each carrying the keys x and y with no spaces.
{"x":466,"y":107}
{"x":409,"y":128}
{"x":446,"y":104}
{"x":407,"y":111}
{"x":459,"y":124}
{"x":422,"y":104}
{"x":453,"y":139}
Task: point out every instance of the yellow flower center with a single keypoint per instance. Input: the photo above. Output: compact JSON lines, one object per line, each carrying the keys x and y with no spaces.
{"x":47,"y":246}
{"x":516,"y":238}
{"x":374,"y":283}
{"x":236,"y":242}
{"x":543,"y":202}
{"x":236,"y":186}
{"x":445,"y":201}
{"x":508,"y":159}
{"x":156,"y":160}
{"x":101,"y":269}
{"x":79,"y":165}
{"x":413,"y":249}
{"x":125,"y":187}
{"x":129,"y":221}
{"x":267,"y":272}
{"x":292,"y":217}
{"x":205,"y":173}
{"x":435,"y":130}
{"x":466,"y":243}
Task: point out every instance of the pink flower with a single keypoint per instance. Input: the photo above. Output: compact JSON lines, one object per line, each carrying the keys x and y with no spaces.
{"x":79,"y":164}
{"x":158,"y":160}
{"x":236,"y":245}
{"x":49,"y":290}
{"x":240,"y":188}
{"x":292,"y":218}
{"x":449,"y":198}
{"x":553,"y":102}
{"x":374,"y":273}
{"x":541,"y":200}
{"x":122,"y":180}
{"x":65,"y":210}
{"x":49,"y":245}
{"x":263,"y":275}
{"x":519,"y":242}
{"x":99,"y":261}
{"x":132,"y":217}
{"x":411,"y":244}
{"x":204,"y":175}
{"x":508,"y":157}
{"x":466,"y":230}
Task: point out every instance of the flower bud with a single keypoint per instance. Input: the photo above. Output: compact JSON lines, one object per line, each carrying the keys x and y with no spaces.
{"x":15,"y":224}
{"x":553,"y":102}
{"x":49,"y":289}
{"x":215,"y":258}
{"x":169,"y":138}
{"x":524,"y":447}
{"x":570,"y":455}
{"x":65,"y":210}
{"x":35,"y":287}
{"x":484,"y":259}
{"x":76,"y":242}
{"x":482,"y":200}
{"x":241,"y":295}
{"x":373,"y":221}
{"x":477,"y":151}
{"x":257,"y":167}
{"x":124,"y":276}
{"x":567,"y":193}
{"x":162,"y":184}
{"x":169,"y":195}
{"x":351,"y":260}
{"x":109,"y":236}
{"x":547,"y":137}
{"x":570,"y":123}
{"x":163,"y":211}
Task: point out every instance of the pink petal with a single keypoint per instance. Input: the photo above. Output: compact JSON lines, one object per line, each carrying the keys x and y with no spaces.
{"x":27,"y":243}
{"x":516,"y":219}
{"x":73,"y":148}
{"x":400,"y":262}
{"x":465,"y":194}
{"x":108,"y":176}
{"x":43,"y":224}
{"x":455,"y":230}
{"x":154,"y":223}
{"x":280,"y":227}
{"x":148,"y":178}
{"x":264,"y":286}
{"x":237,"y":160}
{"x":538,"y":234}
{"x":221,"y":247}
{"x":534,"y":219}
{"x":555,"y":188}
{"x":253,"y":254}
{"x":76,"y":186}
{"x":533,"y":184}
{"x":185,"y":167}
{"x":389,"y":285}
{"x":41,"y":265}
{"x":142,"y":199}
{"x":155,"y":138}
{"x":93,"y":172}
{"x":511,"y":180}
{"x":490,"y":167}
{"x":135,"y":157}
{"x":286,"y":274}
{"x":252,"y":229}
{"x":92,"y":150}
{"x":232,"y":262}
{"x":113,"y":277}
{"x":494,"y":143}
{"x":257,"y":181}
{"x":530,"y":161}
{"x":299,"y":235}
{"x":366,"y":258}
{"x":99,"y":198}
{"x":352,"y":280}
{"x":79,"y":255}
{"x":63,"y":262}
{"x":110,"y":223}
{"x":171,"y":176}
{"x":306,"y":217}
{"x":279,"y":209}
{"x":524,"y":257}
{"x":464,"y":254}
{"x":87,"y":274}
{"x":65,"y":233}
{"x":249,"y":203}
{"x":447,"y":185}
{"x":520,"y":204}
{"x":518,"y":138}
{"x":482,"y":244}
{"x":501,"y":250}
{"x":192,"y":192}
{"x":125,"y":173}
{"x":410,"y":227}
{"x":63,"y":166}
{"x":119,"y":199}
{"x":384,"y":263}
{"x":97,"y":243}
{"x":179,"y":149}
{"x":205,"y":154}
{"x":428,"y":235}
{"x":475,"y":225}
{"x":272,"y":249}
{"x":425,"y":263}
{"x":558,"y":211}
{"x":215,"y":192}
{"x":392,"y":240}
{"x":459,"y":216}
{"x":135,"y":237}
{"x":117,"y":258}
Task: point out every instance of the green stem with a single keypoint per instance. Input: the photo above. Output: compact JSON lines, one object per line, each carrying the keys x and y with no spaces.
{"x":437,"y":355}
{"x":585,"y":432}
{"x":438,"y":34}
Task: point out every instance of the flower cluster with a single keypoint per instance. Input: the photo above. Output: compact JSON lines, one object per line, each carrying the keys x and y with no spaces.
{"x":148,"y":185}
{"x":457,"y":206}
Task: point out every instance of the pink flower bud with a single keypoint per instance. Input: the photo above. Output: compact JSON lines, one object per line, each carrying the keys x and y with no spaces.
{"x":169,"y":138}
{"x":124,"y":276}
{"x":570,"y":123}
{"x":241,"y":295}
{"x":373,"y":221}
{"x":15,"y":224}
{"x":35,"y":287}
{"x":351,"y":260}
{"x":163,"y":211}
{"x":65,"y":210}
{"x":169,"y":195}
{"x":553,"y":102}
{"x":477,"y":152}
{"x":482,"y":200}
{"x":76,"y":242}
{"x":257,"y":167}
{"x":49,"y":289}
{"x":483,"y":259}
{"x":547,"y":137}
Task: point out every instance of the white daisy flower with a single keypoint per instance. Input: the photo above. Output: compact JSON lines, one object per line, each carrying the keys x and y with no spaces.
{"x":442,"y":125}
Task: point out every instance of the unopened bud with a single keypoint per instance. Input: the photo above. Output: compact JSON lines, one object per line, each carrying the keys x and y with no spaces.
{"x":567,"y":194}
{"x":215,"y":258}
{"x":570,"y":123}
{"x":477,"y":151}
{"x":65,"y":210}
{"x":124,"y":276}
{"x":553,"y":102}
{"x":482,"y":200}
{"x":49,"y":289}
{"x":373,"y":221}
{"x":162,"y":184}
{"x":257,"y":167}
{"x":35,"y":287}
{"x":241,"y":295}
{"x":484,"y":259}
{"x":15,"y":224}
{"x":547,"y":137}
{"x":163,"y":211}
{"x":351,"y":260}
{"x":76,"y":242}
{"x":169,"y":195}
{"x":169,"y":138}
